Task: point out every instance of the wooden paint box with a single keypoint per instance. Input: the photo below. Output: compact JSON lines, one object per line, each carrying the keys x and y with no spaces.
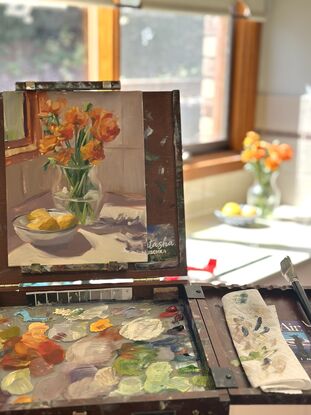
{"x":144,"y":220}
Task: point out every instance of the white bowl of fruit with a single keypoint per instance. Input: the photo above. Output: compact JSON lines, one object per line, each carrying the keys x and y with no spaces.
{"x":46,"y":227}
{"x":236,"y":214}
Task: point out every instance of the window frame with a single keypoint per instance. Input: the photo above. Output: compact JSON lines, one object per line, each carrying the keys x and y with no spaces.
{"x":220,"y":157}
{"x":242,"y":103}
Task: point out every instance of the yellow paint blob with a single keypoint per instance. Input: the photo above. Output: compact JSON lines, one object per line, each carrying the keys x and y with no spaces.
{"x":100,"y":325}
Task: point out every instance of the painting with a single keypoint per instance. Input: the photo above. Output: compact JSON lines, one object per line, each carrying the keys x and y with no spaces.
{"x":82,"y":198}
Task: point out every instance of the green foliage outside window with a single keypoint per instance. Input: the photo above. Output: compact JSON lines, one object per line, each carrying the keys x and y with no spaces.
{"x":43,"y":44}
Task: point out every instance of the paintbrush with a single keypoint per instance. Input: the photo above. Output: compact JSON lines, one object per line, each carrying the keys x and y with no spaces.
{"x":290,"y":275}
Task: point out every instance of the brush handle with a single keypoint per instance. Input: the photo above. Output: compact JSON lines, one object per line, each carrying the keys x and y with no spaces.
{"x":303,"y":299}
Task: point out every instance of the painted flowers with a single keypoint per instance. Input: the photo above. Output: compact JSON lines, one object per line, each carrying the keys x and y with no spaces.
{"x":73,"y":139}
{"x":75,"y":136}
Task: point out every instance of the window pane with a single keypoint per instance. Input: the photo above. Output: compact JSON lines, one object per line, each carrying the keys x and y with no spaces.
{"x":41,"y":43}
{"x":189,"y":52}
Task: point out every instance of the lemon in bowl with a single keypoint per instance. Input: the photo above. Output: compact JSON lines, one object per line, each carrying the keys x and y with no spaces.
{"x":46,"y":227}
{"x":231,"y":209}
{"x":236,"y":214}
{"x":248,"y":211}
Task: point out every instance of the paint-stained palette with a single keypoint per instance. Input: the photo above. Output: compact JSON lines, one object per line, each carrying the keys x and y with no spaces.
{"x":51,"y":354}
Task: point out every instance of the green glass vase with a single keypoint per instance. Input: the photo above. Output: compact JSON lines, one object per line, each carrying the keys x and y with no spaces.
{"x":78,"y":191}
{"x":264,"y":193}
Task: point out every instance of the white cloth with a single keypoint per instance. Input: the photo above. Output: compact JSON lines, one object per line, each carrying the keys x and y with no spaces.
{"x":267,"y":360}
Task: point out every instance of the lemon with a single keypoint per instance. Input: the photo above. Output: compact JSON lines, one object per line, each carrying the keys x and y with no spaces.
{"x":66,"y":221}
{"x":248,"y":211}
{"x":44,"y":223}
{"x":37,"y":213}
{"x":231,"y":209}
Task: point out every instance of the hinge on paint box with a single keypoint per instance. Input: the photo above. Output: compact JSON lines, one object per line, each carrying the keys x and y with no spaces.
{"x":223,"y":378}
{"x":30,"y":86}
{"x":194,"y":291}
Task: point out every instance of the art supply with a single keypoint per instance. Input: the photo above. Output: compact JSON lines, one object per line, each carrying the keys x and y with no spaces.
{"x":267,"y":360}
{"x":290,"y":275}
{"x":76,"y":354}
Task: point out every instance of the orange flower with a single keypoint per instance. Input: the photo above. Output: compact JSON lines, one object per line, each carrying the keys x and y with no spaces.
{"x":105,"y":126}
{"x":260,"y":153}
{"x":266,"y":155}
{"x":47,"y":143}
{"x":93,"y":151}
{"x":247,"y":155}
{"x":96,"y":113}
{"x":63,"y":156}
{"x":63,"y":132}
{"x":285,"y":151}
{"x":251,"y":139}
{"x":48,"y":106}
{"x":76,"y":117}
{"x":273,"y":161}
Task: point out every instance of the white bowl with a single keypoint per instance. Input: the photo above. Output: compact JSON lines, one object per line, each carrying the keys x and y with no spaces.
{"x":43,"y":237}
{"x":237,"y":220}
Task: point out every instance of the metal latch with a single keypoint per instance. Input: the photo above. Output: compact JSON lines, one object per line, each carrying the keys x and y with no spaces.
{"x":223,"y":378}
{"x":194,"y":291}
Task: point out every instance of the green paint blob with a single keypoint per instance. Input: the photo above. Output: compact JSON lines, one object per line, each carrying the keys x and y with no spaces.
{"x":17,"y":382}
{"x":10,"y":332}
{"x":151,"y":387}
{"x":203,"y":381}
{"x":188,"y":369}
{"x":127,"y":367}
{"x":159,"y":372}
{"x":179,"y":383}
{"x":130,"y":386}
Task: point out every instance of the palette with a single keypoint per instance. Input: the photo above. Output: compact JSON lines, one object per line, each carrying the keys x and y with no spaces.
{"x":53,"y":355}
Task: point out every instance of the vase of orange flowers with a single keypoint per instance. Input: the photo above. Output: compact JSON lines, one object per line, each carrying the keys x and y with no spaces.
{"x":264,"y":159}
{"x":73,"y":140}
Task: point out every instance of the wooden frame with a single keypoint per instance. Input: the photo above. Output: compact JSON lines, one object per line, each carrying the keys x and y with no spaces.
{"x":244,"y":76}
{"x":242,"y":105}
{"x":27,"y":148}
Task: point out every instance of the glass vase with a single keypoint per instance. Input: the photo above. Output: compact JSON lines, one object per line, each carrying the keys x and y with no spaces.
{"x":264,"y":193}
{"x":78,"y":191}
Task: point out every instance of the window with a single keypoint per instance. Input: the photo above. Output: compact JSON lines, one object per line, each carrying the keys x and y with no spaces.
{"x":44,"y":43}
{"x":185,"y":51}
{"x":160,"y":49}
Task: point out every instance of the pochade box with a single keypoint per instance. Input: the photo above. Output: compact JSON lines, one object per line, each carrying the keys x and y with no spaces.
{"x":94,"y":193}
{"x":93,"y":317}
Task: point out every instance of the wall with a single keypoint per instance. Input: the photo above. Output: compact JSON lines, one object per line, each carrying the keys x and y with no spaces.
{"x":283,"y":111}
{"x":283,"y":107}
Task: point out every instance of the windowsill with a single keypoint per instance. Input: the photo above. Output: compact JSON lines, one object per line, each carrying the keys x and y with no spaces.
{"x":209,"y":164}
